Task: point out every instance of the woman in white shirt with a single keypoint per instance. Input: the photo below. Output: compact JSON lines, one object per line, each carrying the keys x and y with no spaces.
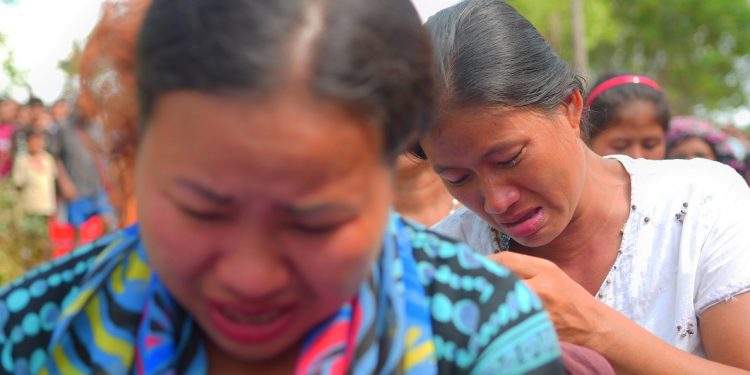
{"x":628,"y":255}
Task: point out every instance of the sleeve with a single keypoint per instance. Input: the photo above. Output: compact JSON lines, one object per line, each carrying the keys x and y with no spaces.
{"x":520,"y":338}
{"x":485,"y":319}
{"x":725,"y":256}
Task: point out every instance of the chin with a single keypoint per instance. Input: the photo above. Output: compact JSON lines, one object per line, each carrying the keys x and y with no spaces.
{"x":259,"y":352}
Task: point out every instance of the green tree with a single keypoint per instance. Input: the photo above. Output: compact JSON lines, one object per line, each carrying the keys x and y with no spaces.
{"x":697,"y":50}
{"x":553,"y":20}
{"x":694,"y":48}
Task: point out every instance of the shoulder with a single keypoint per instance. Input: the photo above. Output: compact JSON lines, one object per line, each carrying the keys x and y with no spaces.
{"x":696,"y":181}
{"x":679,"y":174}
{"x":483,"y":315}
{"x":31,"y":305}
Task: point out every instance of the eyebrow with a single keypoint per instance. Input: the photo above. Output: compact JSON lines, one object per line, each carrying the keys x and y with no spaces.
{"x":495,"y":149}
{"x":204,"y":192}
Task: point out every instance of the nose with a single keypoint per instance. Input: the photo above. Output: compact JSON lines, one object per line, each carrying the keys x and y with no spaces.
{"x":498,"y":197}
{"x":251,"y":266}
{"x":636,"y":152}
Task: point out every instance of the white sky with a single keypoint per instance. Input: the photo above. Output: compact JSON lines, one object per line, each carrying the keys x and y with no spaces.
{"x":41,"y":33}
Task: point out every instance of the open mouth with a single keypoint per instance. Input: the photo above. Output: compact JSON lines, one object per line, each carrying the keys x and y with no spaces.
{"x":252,"y":326}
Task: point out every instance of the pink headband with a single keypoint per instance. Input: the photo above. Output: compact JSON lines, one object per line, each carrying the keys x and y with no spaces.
{"x":619,"y":81}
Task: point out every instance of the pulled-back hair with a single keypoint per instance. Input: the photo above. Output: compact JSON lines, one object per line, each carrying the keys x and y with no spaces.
{"x":488,"y":54}
{"x":372,"y":57}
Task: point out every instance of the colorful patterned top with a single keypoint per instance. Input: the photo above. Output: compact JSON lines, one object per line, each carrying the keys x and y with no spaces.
{"x":431,"y":306}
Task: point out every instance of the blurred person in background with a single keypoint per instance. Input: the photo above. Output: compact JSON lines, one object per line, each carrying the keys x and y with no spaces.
{"x":23,"y":124}
{"x":36,"y":108}
{"x":628,"y":114}
{"x":83,"y":177}
{"x":60,"y":111}
{"x":34,"y":174}
{"x":420,"y":194}
{"x":44,"y":124}
{"x":692,"y":137}
{"x":8,"y":111}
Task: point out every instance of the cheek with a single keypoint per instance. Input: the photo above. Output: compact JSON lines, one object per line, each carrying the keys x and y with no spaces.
{"x":336,"y":266}
{"x":176,"y":250}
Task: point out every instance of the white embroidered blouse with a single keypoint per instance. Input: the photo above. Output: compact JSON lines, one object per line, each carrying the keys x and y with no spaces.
{"x":685,"y":246}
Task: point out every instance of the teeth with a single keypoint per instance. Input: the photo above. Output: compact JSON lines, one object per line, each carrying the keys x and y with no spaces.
{"x":251,"y":319}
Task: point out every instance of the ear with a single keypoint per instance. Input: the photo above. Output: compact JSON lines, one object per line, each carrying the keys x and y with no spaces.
{"x":573,"y":107}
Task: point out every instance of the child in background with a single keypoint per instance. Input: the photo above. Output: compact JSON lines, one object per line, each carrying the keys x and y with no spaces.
{"x":34,"y":174}
{"x":629,"y":115}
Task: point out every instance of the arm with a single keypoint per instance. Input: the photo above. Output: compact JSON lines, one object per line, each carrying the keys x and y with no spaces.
{"x":726,"y":333}
{"x":18,"y":174}
{"x":64,"y":182}
{"x":580,"y":319}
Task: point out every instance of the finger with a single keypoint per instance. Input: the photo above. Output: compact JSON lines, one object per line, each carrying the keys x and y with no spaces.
{"x":522,"y":265}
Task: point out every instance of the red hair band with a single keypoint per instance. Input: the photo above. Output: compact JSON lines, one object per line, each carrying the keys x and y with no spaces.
{"x":619,"y":81}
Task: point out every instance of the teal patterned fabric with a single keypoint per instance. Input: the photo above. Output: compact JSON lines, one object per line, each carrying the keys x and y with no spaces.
{"x":484,"y":320}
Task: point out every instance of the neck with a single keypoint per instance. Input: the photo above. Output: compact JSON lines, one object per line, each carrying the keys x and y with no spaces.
{"x":588,"y":246}
{"x":420,"y":194}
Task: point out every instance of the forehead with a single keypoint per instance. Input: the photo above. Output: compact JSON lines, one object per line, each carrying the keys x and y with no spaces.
{"x":495,"y":121}
{"x":638,"y":112}
{"x":279,"y":137}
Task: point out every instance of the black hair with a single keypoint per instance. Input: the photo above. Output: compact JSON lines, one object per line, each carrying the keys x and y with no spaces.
{"x":604,"y":110}
{"x":373,"y":57}
{"x":489,"y":55}
{"x":32,"y":133}
{"x":34,"y":102}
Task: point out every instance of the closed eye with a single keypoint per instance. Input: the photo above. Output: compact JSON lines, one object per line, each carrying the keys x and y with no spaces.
{"x":510,"y":163}
{"x":458,"y":181}
{"x":203,"y":215}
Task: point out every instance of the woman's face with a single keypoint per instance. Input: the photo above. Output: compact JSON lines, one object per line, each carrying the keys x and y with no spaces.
{"x":637,"y":133}
{"x":521,"y":171}
{"x":260,"y":218}
{"x":692,"y":147}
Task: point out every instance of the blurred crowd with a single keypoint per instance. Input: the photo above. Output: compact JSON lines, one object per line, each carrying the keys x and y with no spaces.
{"x":53,"y":161}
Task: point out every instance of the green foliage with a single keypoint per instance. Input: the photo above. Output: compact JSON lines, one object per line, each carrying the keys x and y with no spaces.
{"x":697,"y":50}
{"x":24,"y":241}
{"x":553,"y":20}
{"x":16,"y":77}
{"x":70,"y":65}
